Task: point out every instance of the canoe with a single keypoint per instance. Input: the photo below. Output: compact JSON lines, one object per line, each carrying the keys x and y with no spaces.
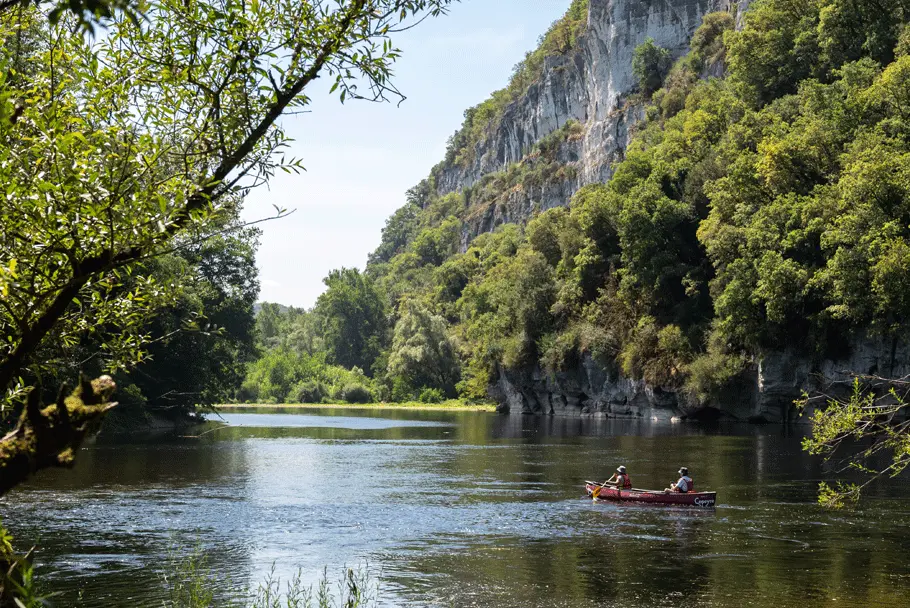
{"x":692,"y":499}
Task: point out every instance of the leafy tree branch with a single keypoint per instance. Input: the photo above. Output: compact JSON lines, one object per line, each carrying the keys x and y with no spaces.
{"x":868,"y":432}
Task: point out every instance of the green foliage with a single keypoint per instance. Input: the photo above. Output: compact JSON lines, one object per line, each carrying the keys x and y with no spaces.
{"x":759,"y":211}
{"x":868,"y":432}
{"x":784,"y":42}
{"x":503,"y":314}
{"x":398,"y":232}
{"x":309,"y":391}
{"x":431,"y":395}
{"x":352,"y":319}
{"x":650,"y":64}
{"x":707,"y":44}
{"x":434,"y":245}
{"x":657,"y":355}
{"x":707,"y":52}
{"x":903,"y":42}
{"x":713,"y":370}
{"x":282,"y":376}
{"x":18,"y":587}
{"x":422,"y":355}
{"x":206,"y":337}
{"x":101,"y":174}
{"x":356,"y":393}
{"x":122,"y":158}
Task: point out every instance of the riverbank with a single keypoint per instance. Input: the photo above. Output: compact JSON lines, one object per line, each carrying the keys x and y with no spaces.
{"x":451,"y":405}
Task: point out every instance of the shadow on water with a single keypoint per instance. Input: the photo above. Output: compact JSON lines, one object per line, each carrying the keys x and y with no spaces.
{"x":464,"y":509}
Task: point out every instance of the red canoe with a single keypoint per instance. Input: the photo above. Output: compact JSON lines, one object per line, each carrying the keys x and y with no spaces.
{"x":693,"y":499}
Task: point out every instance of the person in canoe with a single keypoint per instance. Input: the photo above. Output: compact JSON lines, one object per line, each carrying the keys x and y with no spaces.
{"x":685,"y":483}
{"x":620,"y":479}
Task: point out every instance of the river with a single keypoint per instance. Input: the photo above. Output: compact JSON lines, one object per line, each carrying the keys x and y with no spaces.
{"x":463,"y":509}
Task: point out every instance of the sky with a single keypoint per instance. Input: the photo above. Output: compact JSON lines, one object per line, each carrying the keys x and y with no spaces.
{"x":361,"y":157}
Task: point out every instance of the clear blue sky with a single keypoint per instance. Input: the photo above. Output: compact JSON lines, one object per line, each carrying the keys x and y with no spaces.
{"x":362,"y":157}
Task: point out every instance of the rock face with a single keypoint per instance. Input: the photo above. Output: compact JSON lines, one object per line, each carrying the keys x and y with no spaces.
{"x":591,"y":85}
{"x":763,"y":393}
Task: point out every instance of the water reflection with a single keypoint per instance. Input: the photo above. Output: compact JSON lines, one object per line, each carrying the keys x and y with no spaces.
{"x":463,"y":509}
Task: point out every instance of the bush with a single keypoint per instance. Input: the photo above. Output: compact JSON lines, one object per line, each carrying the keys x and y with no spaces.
{"x":248,"y":391}
{"x":356,"y":393}
{"x":309,"y":391}
{"x":560,"y":350}
{"x":659,"y":356}
{"x":707,"y":44}
{"x":431,"y":395}
{"x":399,"y":390}
{"x":650,"y":64}
{"x":711,"y":372}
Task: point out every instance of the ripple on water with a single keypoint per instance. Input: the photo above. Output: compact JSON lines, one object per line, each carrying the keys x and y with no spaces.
{"x":492,"y":515}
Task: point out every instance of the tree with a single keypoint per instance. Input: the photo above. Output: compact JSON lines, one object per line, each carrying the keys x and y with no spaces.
{"x":434,"y":245}
{"x":270,"y":323}
{"x":422,"y":356}
{"x":763,"y":210}
{"x":352,"y":319}
{"x":209,"y":331}
{"x":86,"y":13}
{"x":101,"y":172}
{"x":503,"y":315}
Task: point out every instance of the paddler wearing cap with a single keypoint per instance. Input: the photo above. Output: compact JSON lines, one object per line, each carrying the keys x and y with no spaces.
{"x":685,"y":483}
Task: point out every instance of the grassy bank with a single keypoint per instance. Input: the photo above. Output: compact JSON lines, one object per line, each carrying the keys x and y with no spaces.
{"x":451,"y":405}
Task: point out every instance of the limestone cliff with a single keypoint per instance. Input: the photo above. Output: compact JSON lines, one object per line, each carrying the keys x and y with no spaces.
{"x":593,"y":85}
{"x":764,"y":392}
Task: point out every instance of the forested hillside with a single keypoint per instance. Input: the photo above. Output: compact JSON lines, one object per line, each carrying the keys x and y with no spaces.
{"x":760,"y":211}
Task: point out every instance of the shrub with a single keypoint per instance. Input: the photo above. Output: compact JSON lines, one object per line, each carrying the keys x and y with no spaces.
{"x":650,"y":64}
{"x":356,"y":393}
{"x":248,"y":391}
{"x":560,"y":350}
{"x":400,"y":390}
{"x":711,"y":372}
{"x":660,"y":356}
{"x":707,"y":44}
{"x":431,"y":395}
{"x":308,"y":391}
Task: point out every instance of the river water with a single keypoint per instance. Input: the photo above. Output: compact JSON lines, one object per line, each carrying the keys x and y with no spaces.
{"x":463,"y":509}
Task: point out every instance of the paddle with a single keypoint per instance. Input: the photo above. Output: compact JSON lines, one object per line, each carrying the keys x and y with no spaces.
{"x":597,"y":492}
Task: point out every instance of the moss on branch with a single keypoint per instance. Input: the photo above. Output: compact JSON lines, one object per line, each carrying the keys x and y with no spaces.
{"x":48,"y":437}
